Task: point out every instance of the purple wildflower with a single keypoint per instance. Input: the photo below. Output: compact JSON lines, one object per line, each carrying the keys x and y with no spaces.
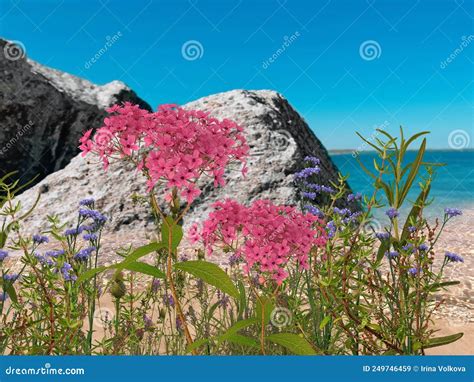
{"x":423,"y":247}
{"x":411,"y":229}
{"x":87,"y":202}
{"x":414,"y":271}
{"x":90,"y":236}
{"x":98,"y":218}
{"x":148,"y":323}
{"x":39,"y":239}
{"x":71,"y":232}
{"x":155,"y":285}
{"x":3,"y":255}
{"x":392,"y":213}
{"x":3,"y":296}
{"x":10,"y":277}
{"x":55,"y":254}
{"x":382,"y":235}
{"x":453,"y":257}
{"x":331,"y":228}
{"x":168,"y":300}
{"x":84,"y":254}
{"x":314,"y":210}
{"x":44,"y":260}
{"x":452,"y":212}
{"x":67,"y":272}
{"x":309,"y":195}
{"x":408,"y":247}
{"x":391,"y":254}
{"x":307,"y":172}
{"x":234,"y":259}
{"x":312,"y":159}
{"x":342,"y":212}
{"x":354,"y":197}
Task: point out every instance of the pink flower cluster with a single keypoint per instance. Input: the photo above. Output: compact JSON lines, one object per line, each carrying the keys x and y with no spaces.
{"x":266,"y":236}
{"x":173,"y":145}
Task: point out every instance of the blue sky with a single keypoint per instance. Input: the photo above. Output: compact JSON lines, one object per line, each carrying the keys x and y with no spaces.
{"x":323,"y":71}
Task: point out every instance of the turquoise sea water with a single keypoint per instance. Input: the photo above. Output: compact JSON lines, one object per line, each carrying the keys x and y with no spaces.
{"x":452,"y":187}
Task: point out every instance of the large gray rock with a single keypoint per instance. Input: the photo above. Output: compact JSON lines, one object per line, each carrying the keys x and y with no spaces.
{"x":279,"y":139}
{"x":44,"y":111}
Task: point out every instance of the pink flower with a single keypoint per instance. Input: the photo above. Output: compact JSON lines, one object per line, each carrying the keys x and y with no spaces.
{"x":173,"y":147}
{"x":268,"y":237}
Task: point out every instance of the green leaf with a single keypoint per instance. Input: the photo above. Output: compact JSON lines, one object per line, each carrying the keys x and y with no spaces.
{"x":10,"y":290}
{"x":239,"y":339}
{"x":415,"y":211}
{"x":440,"y":341}
{"x":292,"y":342}
{"x":324,"y":322}
{"x":264,"y":308}
{"x":90,"y":273}
{"x":145,"y":269}
{"x":412,"y":174}
{"x":242,"y":301}
{"x":3,"y":238}
{"x":130,"y":259}
{"x":239,"y":325}
{"x":196,"y":344}
{"x":171,"y":233}
{"x":211,"y":274}
{"x":140,"y":252}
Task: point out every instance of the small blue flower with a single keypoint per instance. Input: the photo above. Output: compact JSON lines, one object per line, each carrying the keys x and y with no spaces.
{"x":3,"y":255}
{"x":307,"y":172}
{"x":87,"y":202}
{"x":391,"y":255}
{"x":392,"y":213}
{"x":453,"y":257}
{"x":3,"y":296}
{"x":90,"y":236}
{"x":411,"y":229}
{"x":39,"y":239}
{"x":331,"y":229}
{"x":71,"y":232}
{"x":354,"y":197}
{"x":67,"y":272}
{"x":382,"y":235}
{"x":309,"y":195}
{"x":11,"y":277}
{"x":313,"y":160}
{"x":84,"y":254}
{"x":452,"y":212}
{"x":314,"y":210}
{"x":408,"y":247}
{"x":44,"y":260}
{"x":414,"y":271}
{"x":342,"y":212}
{"x":423,"y":247}
{"x":55,"y":254}
{"x":98,"y":218}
